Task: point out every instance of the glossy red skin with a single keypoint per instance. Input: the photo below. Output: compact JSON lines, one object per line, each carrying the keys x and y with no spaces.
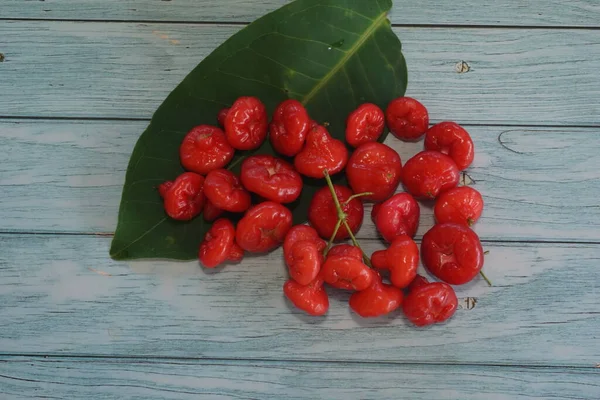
{"x":397,"y":216}
{"x":225,"y":191}
{"x":289,"y":127}
{"x":461,"y":205}
{"x":246,"y":124}
{"x":346,"y":272}
{"x":452,"y":253}
{"x":312,"y":299}
{"x":305,"y":261}
{"x":211,"y":212}
{"x":263,"y":227}
{"x":300,"y":233}
{"x":184,"y":198}
{"x":430,"y":303}
{"x":429,"y":173}
{"x":374,"y":167}
{"x":376,"y":300}
{"x":401,"y":259}
{"x":321,"y":152}
{"x":452,"y":139}
{"x":365,"y":124}
{"x":407,"y":118}
{"x":345,"y":250}
{"x":417,"y":282}
{"x":204,"y":149}
{"x":271,"y":178}
{"x":219,"y":245}
{"x":221,"y":116}
{"x":322,"y":213}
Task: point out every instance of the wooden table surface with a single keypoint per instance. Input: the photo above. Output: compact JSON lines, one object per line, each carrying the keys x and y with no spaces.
{"x":79,"y":81}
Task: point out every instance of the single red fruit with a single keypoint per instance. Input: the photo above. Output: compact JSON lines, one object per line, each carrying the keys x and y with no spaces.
{"x":219,"y":245}
{"x":401,"y":259}
{"x":289,"y":128}
{"x":321,"y":152}
{"x":323,"y":216}
{"x":345,"y":250}
{"x":407,"y":118}
{"x":183,"y":198}
{"x":376,"y":300}
{"x":365,"y":124}
{"x":224,"y":190}
{"x":211,"y":212}
{"x":461,"y":205}
{"x":429,"y":173}
{"x":205,"y":149}
{"x":417,"y":282}
{"x":305,"y":261}
{"x":346,"y":272}
{"x":246,"y":123}
{"x":430,"y":303}
{"x":301,"y":233}
{"x":263,"y":227}
{"x":271,"y":178}
{"x":221,"y":117}
{"x":452,"y":139}
{"x":311,"y":299}
{"x":452,"y":253}
{"x":376,"y":168}
{"x":399,"y":215}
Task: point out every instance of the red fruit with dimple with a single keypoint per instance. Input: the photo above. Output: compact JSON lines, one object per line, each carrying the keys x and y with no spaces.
{"x":301,"y":233}
{"x":346,"y":272}
{"x":304,"y":261}
{"x":376,"y":168}
{"x":219,"y":245}
{"x":289,"y":127}
{"x":211,"y":212}
{"x":221,"y":116}
{"x":225,"y":191}
{"x":452,"y":139}
{"x":365,"y":124}
{"x":345,"y":250}
{"x":429,"y":173}
{"x":321,"y":152}
{"x":323,"y":215}
{"x":376,"y":300}
{"x":401,"y":259}
{"x":399,"y":215}
{"x":204,"y":149}
{"x":430,"y":303}
{"x":462,"y":205}
{"x":272,"y":178}
{"x":183,"y":199}
{"x":407,"y":118}
{"x":311,"y":299}
{"x":246,"y":123}
{"x":452,"y":253}
{"x":263,"y":227}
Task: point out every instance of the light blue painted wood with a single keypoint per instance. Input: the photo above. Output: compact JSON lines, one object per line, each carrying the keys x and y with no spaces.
{"x":29,"y":378}
{"x":62,"y":295}
{"x":68,"y":176}
{"x":468,"y":12}
{"x":517,"y":76}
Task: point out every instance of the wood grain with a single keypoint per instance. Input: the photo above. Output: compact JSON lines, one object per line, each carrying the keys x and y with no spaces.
{"x":68,"y":176}
{"x":581,"y":13}
{"x":81,"y":378}
{"x":124,"y":70}
{"x":62,"y":295}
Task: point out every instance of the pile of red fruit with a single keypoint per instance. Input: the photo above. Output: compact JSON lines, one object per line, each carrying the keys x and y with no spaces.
{"x":450,"y":251}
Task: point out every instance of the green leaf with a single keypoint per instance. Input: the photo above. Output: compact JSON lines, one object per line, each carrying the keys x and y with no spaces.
{"x":332,"y":55}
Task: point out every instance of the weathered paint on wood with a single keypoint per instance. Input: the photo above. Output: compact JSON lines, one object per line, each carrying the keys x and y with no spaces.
{"x":581,"y":13}
{"x":68,"y":176}
{"x":126,"y":70}
{"x":62,"y":295}
{"x":81,"y":378}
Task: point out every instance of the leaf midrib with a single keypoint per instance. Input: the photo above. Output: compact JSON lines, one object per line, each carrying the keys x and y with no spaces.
{"x":349,"y":54}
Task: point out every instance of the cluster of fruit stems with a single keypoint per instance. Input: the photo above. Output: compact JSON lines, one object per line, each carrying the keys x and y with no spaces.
{"x":343,"y":221}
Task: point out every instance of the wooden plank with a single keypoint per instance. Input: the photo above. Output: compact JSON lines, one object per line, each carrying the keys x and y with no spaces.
{"x":78,"y":188}
{"x":62,"y":295}
{"x":81,"y":378}
{"x":122,"y":70}
{"x":580,"y":13}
